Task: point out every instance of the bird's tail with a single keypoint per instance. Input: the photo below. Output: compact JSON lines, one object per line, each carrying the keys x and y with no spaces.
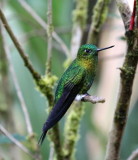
{"x":43,"y":135}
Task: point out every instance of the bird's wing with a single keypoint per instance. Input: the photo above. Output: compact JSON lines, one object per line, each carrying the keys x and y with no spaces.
{"x":70,"y":91}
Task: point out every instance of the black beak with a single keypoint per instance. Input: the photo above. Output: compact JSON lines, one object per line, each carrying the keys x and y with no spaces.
{"x":100,"y":49}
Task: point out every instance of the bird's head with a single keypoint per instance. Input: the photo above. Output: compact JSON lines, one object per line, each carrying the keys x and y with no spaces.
{"x":88,"y":51}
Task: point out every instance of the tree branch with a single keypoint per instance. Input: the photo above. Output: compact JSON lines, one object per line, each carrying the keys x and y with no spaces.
{"x":73,"y":123}
{"x":93,"y":99}
{"x":27,"y":63}
{"x":43,"y":24}
{"x":125,"y":12}
{"x":99,"y":16}
{"x":71,"y":130}
{"x":17,"y":87}
{"x":49,"y":33}
{"x":133,"y":155}
{"x":79,"y":22}
{"x":128,"y":71}
{"x":55,"y":136}
{"x":51,"y":156}
{"x":15,"y":141}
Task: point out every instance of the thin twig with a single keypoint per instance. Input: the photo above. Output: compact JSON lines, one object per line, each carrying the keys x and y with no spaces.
{"x":27,"y":62}
{"x":51,"y":155}
{"x":49,"y":33}
{"x":93,"y":99}
{"x":15,"y":141}
{"x":133,"y":155}
{"x":17,"y":87}
{"x":43,"y":24}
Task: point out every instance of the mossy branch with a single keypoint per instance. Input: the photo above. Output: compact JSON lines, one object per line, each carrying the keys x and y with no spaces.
{"x":99,"y":16}
{"x":79,"y":22}
{"x":49,"y":33}
{"x":125,"y":12}
{"x":127,"y":75}
{"x":71,"y":130}
{"x":134,"y":155}
{"x":55,"y":135}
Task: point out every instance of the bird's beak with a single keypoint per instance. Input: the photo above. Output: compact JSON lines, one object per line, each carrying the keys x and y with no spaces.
{"x":100,"y":49}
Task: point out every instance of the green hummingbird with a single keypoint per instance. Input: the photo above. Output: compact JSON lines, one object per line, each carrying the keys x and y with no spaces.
{"x":76,"y":80}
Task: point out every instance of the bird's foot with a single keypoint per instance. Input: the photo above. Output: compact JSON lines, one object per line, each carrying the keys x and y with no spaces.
{"x":80,"y":97}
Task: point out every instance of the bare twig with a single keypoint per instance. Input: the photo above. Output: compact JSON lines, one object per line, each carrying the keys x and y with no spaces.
{"x":133,"y":155}
{"x":15,"y":141}
{"x":51,"y":156}
{"x":27,"y":63}
{"x":49,"y":33}
{"x":42,"y":23}
{"x":98,"y":18}
{"x":125,"y":12}
{"x":17,"y":87}
{"x":93,"y":99}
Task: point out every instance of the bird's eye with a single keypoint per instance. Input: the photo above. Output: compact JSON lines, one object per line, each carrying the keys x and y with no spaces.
{"x":87,"y":50}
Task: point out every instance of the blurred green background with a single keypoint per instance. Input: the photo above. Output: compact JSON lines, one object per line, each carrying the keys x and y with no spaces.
{"x":97,"y":120}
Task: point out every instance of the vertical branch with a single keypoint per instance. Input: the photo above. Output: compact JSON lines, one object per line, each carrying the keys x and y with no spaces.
{"x":79,"y":21}
{"x":51,"y":155}
{"x":55,"y":136}
{"x":71,"y":130}
{"x":49,"y":33}
{"x":136,"y":13}
{"x":127,"y":75}
{"x":73,"y":120}
{"x":125,"y":12}
{"x":99,"y":16}
{"x":17,"y":87}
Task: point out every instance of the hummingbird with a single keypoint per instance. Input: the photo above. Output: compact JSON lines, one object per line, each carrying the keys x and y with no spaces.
{"x":76,"y":80}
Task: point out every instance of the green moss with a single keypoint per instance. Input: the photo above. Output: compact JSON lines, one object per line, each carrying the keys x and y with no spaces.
{"x":80,"y":13}
{"x":32,"y":142}
{"x":71,"y":129}
{"x":46,"y":84}
{"x":98,"y":19}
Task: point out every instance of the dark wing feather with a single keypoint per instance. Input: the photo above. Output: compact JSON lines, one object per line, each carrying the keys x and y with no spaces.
{"x":60,"y":108}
